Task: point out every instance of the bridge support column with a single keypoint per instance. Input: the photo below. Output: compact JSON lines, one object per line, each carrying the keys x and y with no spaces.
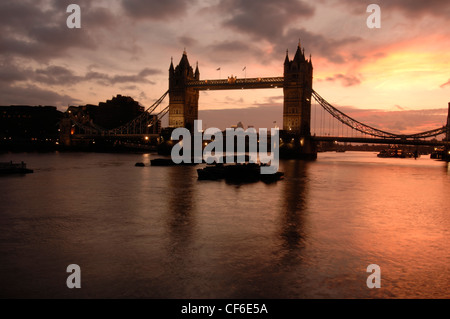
{"x":65,"y":132}
{"x":297,"y":146}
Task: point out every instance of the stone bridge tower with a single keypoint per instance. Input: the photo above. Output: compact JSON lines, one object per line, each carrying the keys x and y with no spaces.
{"x":183,"y":101}
{"x":297,"y":89}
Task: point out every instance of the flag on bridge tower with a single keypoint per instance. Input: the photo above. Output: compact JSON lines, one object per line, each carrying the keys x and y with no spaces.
{"x":244,"y":68}
{"x":218,"y":69}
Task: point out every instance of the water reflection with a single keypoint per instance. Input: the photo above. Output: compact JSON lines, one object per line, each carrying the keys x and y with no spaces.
{"x":181,"y":199}
{"x":293,"y":208}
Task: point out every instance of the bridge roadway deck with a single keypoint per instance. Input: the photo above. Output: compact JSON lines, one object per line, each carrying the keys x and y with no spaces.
{"x":373,"y":140}
{"x":237,"y":84}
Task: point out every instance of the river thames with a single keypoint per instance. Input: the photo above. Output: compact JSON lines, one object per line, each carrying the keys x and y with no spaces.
{"x":158,"y":232}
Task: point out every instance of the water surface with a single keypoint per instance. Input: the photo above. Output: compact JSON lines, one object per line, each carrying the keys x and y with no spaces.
{"x":158,"y":232}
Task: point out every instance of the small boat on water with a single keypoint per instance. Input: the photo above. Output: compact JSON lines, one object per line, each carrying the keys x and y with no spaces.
{"x":441,"y":153}
{"x":14,"y":168}
{"x":168,"y":162}
{"x":237,"y":173}
{"x":396,"y":153}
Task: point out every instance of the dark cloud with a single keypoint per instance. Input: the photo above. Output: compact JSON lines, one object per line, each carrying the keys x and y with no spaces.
{"x":229,"y":46}
{"x":332,"y":49}
{"x":155,"y":9}
{"x":187,"y":41}
{"x":11,"y":72}
{"x":410,"y":8}
{"x":346,"y":80}
{"x":263,"y":19}
{"x":20,"y":15}
{"x":56,"y":75}
{"x":106,"y":79}
{"x":38,"y":30}
{"x":129,"y":88}
{"x":33,"y":95}
{"x":232,"y":50}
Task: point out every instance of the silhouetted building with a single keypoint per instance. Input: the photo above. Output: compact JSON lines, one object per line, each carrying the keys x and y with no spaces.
{"x":107,"y":115}
{"x":117,"y":111}
{"x":20,"y":123}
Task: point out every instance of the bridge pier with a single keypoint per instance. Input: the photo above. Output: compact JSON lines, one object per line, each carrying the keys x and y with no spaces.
{"x":297,"y":146}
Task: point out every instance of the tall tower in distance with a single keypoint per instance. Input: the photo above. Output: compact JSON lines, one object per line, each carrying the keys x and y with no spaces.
{"x":297,"y":89}
{"x":183,"y":100}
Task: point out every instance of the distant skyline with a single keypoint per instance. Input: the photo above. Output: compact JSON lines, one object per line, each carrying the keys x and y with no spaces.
{"x":125,"y":47}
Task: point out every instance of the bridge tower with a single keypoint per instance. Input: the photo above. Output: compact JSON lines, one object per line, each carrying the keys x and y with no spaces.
{"x":183,"y":101}
{"x":297,"y":89}
{"x":448,"y":123}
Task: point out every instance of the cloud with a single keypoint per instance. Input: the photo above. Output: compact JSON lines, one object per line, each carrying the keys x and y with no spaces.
{"x":445,"y":84}
{"x":10,"y":72}
{"x":58,"y":75}
{"x":411,"y":9}
{"x":155,"y":9}
{"x":274,"y":100}
{"x":106,"y":79}
{"x":346,"y":80}
{"x":231,"y":51}
{"x":25,"y":85}
{"x":263,"y":19}
{"x":37,"y":29}
{"x":33,"y":95}
{"x":335,"y":50}
{"x":187,"y":41}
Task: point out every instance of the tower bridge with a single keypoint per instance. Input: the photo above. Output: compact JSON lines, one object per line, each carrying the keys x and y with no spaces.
{"x":297,"y":139}
{"x":185,"y":84}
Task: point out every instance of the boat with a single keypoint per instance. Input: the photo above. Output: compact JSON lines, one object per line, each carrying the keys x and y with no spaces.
{"x":395,"y":153}
{"x":441,"y":153}
{"x":271,"y":178}
{"x":211,"y":172}
{"x":438,"y":153}
{"x":237,"y":173}
{"x":139,"y":164}
{"x":14,"y":168}
{"x":168,"y":162}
